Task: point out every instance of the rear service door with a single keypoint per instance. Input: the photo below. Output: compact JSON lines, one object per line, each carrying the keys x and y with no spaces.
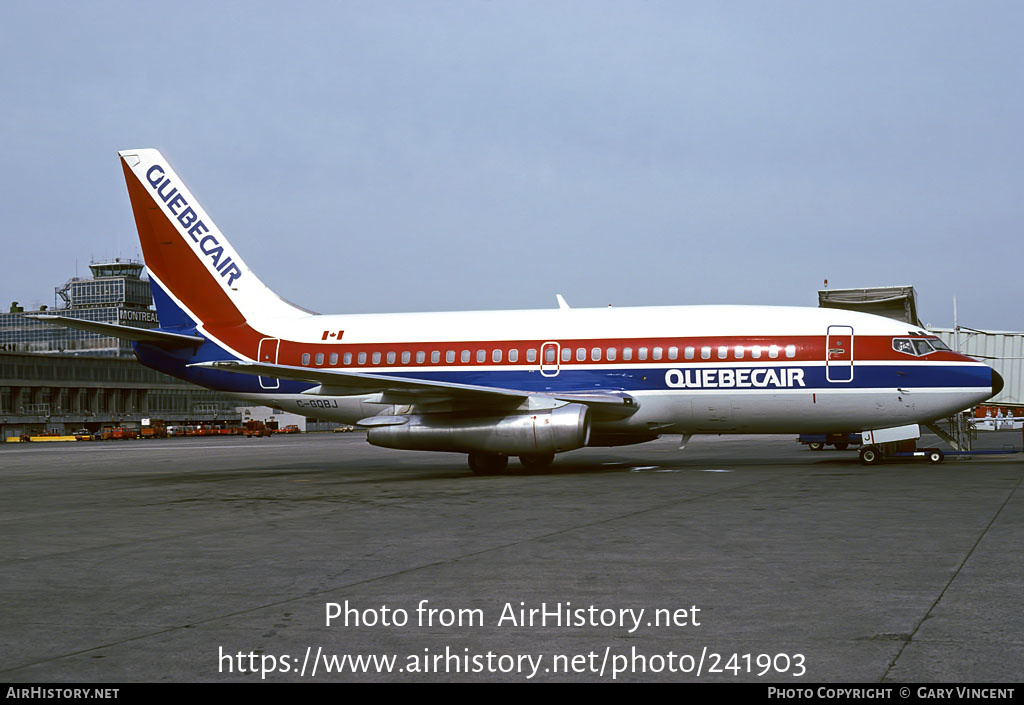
{"x":839,"y":354}
{"x":268,"y":354}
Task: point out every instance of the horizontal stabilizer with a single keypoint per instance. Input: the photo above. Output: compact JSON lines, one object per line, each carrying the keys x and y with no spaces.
{"x":140,"y":335}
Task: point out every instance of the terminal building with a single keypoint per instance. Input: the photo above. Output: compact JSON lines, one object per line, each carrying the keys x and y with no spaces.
{"x":116,"y":293}
{"x":61,"y":394}
{"x":57,"y":379}
{"x":60,"y":380}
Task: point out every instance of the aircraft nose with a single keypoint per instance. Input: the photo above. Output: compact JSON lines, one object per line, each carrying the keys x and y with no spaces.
{"x":997,"y":383}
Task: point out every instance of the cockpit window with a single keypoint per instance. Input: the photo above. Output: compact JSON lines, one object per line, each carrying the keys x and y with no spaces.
{"x":917,"y":346}
{"x":903,"y":345}
{"x":923,"y":348}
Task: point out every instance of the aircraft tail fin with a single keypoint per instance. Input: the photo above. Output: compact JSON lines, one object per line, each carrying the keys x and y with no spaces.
{"x":195,"y":272}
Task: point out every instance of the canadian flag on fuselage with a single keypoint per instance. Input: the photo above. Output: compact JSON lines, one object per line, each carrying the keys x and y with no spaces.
{"x":187,"y":256}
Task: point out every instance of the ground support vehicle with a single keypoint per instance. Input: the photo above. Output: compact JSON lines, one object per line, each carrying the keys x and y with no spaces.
{"x":841,"y":441}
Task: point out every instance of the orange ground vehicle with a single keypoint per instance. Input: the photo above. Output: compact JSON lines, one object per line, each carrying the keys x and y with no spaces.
{"x":120,"y":433}
{"x":256,"y":428}
{"x":156,"y":429}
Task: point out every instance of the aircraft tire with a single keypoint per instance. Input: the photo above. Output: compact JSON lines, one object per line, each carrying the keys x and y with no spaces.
{"x":537,"y":462}
{"x":816,"y":445}
{"x":487,"y":463}
{"x":870,"y":455}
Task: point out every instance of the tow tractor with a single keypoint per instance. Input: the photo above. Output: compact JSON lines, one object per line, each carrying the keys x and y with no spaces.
{"x":901,"y":443}
{"x":898,"y":442}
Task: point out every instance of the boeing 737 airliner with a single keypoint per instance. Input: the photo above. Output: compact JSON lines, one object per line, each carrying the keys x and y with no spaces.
{"x":525,"y":383}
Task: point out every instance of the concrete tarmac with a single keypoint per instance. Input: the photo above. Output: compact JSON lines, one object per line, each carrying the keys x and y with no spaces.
{"x":206,"y":559}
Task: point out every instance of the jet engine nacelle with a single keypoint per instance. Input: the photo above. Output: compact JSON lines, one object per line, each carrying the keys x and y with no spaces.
{"x":554,"y":431}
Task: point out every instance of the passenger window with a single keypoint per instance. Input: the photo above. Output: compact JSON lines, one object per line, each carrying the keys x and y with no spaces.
{"x":705,"y":352}
{"x":738,"y":352}
{"x":673,"y":353}
{"x":656,"y":353}
{"x":305,"y":358}
{"x":581,"y":354}
{"x":421,"y":357}
{"x":391,"y":358}
{"x":513,"y":355}
{"x":346,"y":359}
{"x":627,"y":354}
{"x":549,"y":354}
{"x":723,"y":352}
{"x":465,"y":356}
{"x":595,"y":354}
{"x":641,"y":354}
{"x":449,"y":357}
{"x":496,"y":356}
{"x":566,"y":354}
{"x":481,"y":356}
{"x":688,"y":353}
{"x":773,"y":351}
{"x":334,"y":359}
{"x":611,"y":354}
{"x":376,"y":358}
{"x":362,"y":358}
{"x":531,"y":355}
{"x":790,"y":351}
{"x":435,"y":356}
{"x":755,"y":352}
{"x":319,"y":358}
{"x":406,"y":356}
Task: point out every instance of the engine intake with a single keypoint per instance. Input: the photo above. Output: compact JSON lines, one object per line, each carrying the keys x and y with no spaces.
{"x":554,"y":431}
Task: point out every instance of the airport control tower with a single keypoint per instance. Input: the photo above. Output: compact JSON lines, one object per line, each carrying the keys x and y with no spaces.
{"x":116,"y":293}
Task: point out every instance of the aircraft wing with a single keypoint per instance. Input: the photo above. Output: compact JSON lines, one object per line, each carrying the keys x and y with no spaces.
{"x":403,"y":390}
{"x":141,"y":335}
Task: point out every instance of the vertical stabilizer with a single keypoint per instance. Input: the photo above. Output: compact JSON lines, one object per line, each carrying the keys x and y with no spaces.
{"x":187,"y":256}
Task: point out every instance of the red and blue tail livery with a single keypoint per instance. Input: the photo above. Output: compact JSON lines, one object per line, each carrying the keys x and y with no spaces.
{"x":494,"y":384}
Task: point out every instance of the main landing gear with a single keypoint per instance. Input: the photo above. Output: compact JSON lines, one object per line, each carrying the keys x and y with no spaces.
{"x":487,"y":463}
{"x":493,"y":463}
{"x":538,"y":461}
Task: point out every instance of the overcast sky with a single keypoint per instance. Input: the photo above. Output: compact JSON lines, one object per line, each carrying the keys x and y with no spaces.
{"x":412,"y":156}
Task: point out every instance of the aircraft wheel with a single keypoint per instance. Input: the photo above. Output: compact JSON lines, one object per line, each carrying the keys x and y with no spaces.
{"x":815,"y":445}
{"x":935,"y":457}
{"x":842,"y":445}
{"x":487,"y":463}
{"x":870,"y":455}
{"x":537,"y":462}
